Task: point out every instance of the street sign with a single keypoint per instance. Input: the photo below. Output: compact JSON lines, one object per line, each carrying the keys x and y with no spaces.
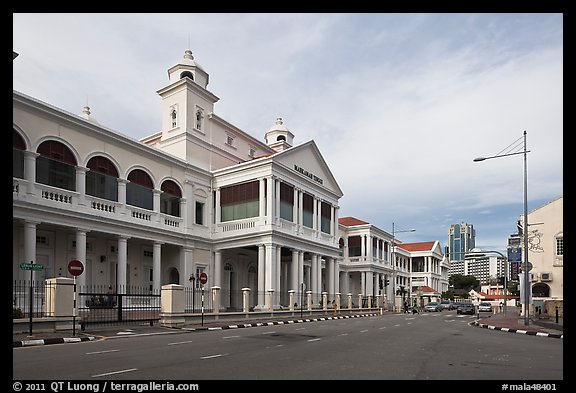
{"x":203,"y":278}
{"x":31,"y":266}
{"x":75,"y":267}
{"x":530,"y":266}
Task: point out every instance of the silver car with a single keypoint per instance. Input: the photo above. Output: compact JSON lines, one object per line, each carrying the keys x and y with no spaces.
{"x":484,"y":306}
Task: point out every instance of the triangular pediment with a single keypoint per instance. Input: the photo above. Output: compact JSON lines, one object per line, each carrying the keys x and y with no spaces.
{"x":306,"y":160}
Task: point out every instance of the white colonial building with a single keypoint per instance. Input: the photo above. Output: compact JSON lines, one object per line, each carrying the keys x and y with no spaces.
{"x":198,"y":196}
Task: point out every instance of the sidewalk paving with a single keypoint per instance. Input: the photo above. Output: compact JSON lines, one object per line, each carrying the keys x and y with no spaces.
{"x":514,"y":323}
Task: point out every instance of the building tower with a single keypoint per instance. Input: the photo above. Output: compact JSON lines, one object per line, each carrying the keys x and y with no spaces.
{"x":461,"y":238}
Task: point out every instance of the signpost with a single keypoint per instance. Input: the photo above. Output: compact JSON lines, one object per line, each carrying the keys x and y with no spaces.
{"x":75,"y":268}
{"x":203,"y":280}
{"x":32,"y":267}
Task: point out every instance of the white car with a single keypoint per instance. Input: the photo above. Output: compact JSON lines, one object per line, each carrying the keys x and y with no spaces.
{"x":485,"y":307}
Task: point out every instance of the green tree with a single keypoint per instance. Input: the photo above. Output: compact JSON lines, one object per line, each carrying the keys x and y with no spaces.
{"x":467,"y":283}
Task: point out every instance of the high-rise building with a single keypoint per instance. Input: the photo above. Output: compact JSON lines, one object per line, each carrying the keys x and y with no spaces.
{"x":461,"y":238}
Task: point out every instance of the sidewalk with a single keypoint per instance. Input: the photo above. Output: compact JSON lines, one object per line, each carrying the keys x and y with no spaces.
{"x":514,"y":323}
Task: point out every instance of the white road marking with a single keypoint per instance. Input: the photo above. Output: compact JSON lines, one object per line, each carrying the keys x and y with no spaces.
{"x":313,"y":339}
{"x":231,"y":337}
{"x":114,"y":372}
{"x":214,"y":356}
{"x":99,"y":352}
{"x":181,"y":342}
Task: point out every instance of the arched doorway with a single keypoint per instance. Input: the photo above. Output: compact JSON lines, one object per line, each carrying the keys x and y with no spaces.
{"x":173,"y":276}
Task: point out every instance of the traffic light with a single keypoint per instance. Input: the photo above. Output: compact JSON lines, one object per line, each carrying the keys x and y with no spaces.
{"x":386,"y":282}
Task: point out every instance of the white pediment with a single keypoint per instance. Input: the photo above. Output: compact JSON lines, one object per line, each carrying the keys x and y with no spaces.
{"x":306,"y":161}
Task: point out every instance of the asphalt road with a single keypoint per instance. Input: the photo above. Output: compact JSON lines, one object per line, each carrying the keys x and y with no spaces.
{"x":430,"y":346}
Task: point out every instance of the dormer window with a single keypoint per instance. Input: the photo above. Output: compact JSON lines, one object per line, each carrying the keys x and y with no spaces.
{"x":187,"y":74}
{"x":229,"y":140}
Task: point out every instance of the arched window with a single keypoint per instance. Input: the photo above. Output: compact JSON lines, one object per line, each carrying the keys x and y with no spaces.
{"x":186,"y":74}
{"x":280,"y":138}
{"x":18,"y":148}
{"x":139,"y":190}
{"x":102,"y":179}
{"x":170,"y":198}
{"x":56,"y":166}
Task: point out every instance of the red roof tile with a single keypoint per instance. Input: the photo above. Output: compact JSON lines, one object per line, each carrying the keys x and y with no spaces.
{"x":351,"y":221}
{"x":420,"y":246}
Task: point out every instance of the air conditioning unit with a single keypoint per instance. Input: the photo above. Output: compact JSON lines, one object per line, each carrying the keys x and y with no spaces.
{"x":546,"y":276}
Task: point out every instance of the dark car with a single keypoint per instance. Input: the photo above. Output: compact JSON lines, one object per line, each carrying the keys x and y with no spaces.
{"x":466,"y":308}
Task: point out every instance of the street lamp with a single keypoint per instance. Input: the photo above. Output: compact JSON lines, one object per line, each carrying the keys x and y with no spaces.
{"x":394,"y":231}
{"x":525,"y":229}
{"x":476,"y":251}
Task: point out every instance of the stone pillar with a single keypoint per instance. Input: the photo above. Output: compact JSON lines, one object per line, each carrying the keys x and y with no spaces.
{"x":246,"y":300}
{"x":172,"y":301}
{"x":60,"y":297}
{"x":324,"y":301}
{"x":122,"y":194}
{"x":294,"y":283}
{"x":270,"y":300}
{"x":350,"y":301}
{"x":30,"y":172}
{"x":218,"y":268}
{"x":29,"y":245}
{"x":261,"y":276}
{"x":309,"y":300}
{"x":122,"y":264}
{"x":217,"y":209}
{"x":314,"y":276}
{"x":360,"y":301}
{"x":215,"y":292}
{"x":369,"y":304}
{"x":337,"y":300}
{"x":291,"y":299}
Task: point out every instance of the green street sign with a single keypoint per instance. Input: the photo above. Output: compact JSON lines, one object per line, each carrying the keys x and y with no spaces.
{"x":31,"y":266}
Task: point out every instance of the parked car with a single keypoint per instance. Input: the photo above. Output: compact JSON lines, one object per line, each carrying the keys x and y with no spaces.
{"x":466,"y":308}
{"x":447,"y":305}
{"x":485,"y":306}
{"x":433,"y":307}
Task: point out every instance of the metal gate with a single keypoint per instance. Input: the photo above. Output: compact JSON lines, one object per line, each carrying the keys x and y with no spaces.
{"x":99,"y":307}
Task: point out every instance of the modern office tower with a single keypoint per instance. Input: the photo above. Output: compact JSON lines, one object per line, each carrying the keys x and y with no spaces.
{"x":461,"y":238}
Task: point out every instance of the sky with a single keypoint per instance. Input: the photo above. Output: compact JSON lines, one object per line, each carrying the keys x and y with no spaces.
{"x":399,"y":104}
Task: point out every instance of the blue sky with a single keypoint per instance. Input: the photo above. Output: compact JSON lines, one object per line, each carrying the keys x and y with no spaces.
{"x":399,"y":104}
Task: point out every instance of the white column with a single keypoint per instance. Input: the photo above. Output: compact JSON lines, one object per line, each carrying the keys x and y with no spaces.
{"x":337,"y":275}
{"x":345,"y":252}
{"x":187,"y":266}
{"x":81,"y":256}
{"x":122,"y":264}
{"x":277,"y":201}
{"x":314,"y":276}
{"x":333,"y":230}
{"x":157,"y":267}
{"x":362,"y":247}
{"x":300,"y":269}
{"x":335,"y":223}
{"x":300,"y":207}
{"x":376,"y":284}
{"x":294,"y":283}
{"x":30,"y":244}
{"x":218,"y":269}
{"x":269,"y":200}
{"x":319,"y":218}
{"x":188,"y":210}
{"x":315,"y":215}
{"x":295,"y":207}
{"x":319,"y":274}
{"x":270,"y":266}
{"x":330,"y":277}
{"x":184,"y":212}
{"x":369,"y":241}
{"x":217,"y":208}
{"x":81,"y":189}
{"x":30,"y":174}
{"x":278,"y":264}
{"x":122,"y":194}
{"x":261,"y":200}
{"x":363,"y":283}
{"x":261,"y":275}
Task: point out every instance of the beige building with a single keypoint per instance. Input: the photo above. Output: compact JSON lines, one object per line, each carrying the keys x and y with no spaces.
{"x":546,"y":253}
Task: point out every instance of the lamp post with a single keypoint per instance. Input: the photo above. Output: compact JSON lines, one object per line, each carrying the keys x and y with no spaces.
{"x":476,"y":251}
{"x":525,"y":227}
{"x":394,"y":231}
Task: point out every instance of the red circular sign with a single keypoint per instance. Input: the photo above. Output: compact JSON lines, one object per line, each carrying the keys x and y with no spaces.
{"x":203,"y":278}
{"x":75,"y":267}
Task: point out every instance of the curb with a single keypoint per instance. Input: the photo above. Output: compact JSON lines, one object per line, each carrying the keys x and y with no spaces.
{"x":281,"y":322}
{"x":46,"y":341}
{"x":519,"y":331}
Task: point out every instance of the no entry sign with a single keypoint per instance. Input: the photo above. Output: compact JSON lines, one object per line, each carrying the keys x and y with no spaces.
{"x":75,"y":267}
{"x":203,"y":278}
